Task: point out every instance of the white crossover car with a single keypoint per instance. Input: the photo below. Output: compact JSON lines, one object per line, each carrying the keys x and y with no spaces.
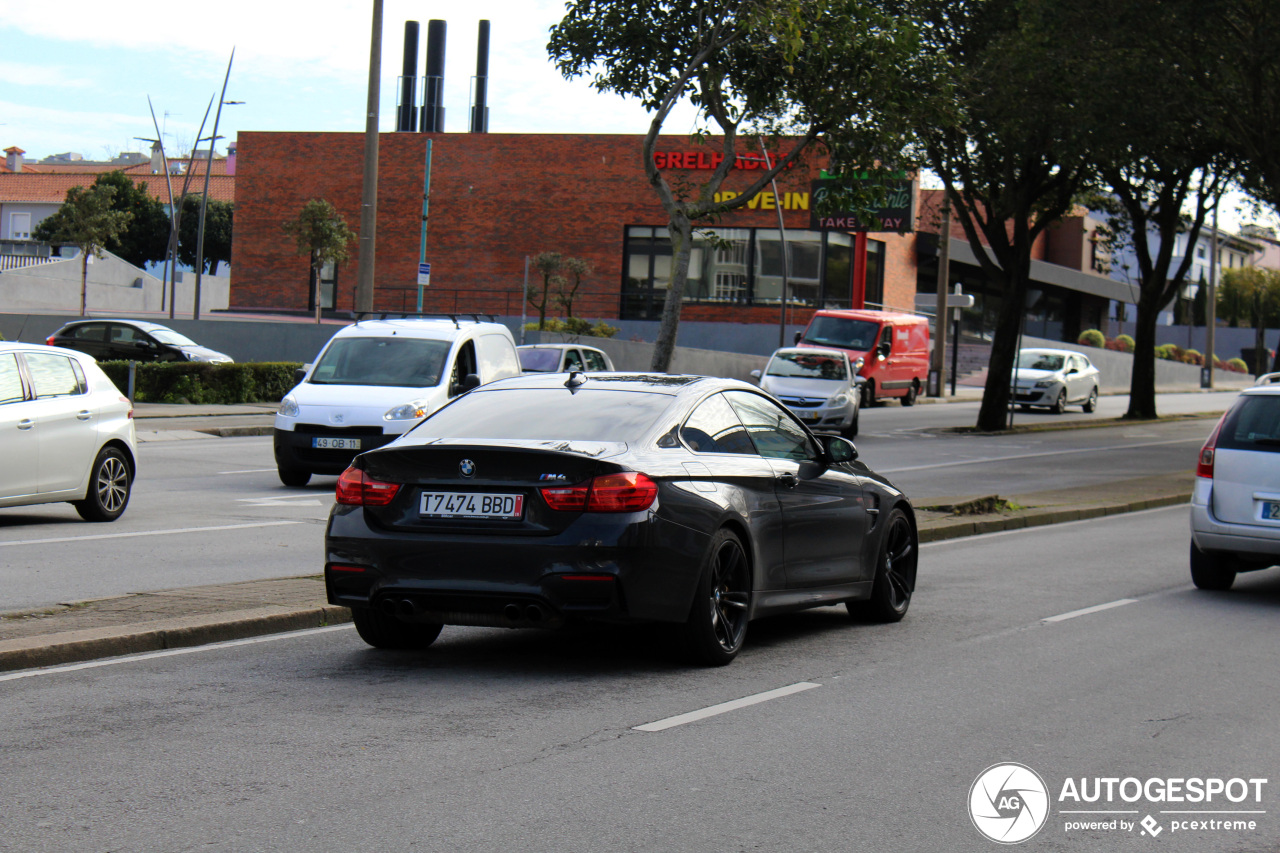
{"x":819,"y":385}
{"x":66,"y":432}
{"x":1054,"y":379}
{"x":1235,"y":504}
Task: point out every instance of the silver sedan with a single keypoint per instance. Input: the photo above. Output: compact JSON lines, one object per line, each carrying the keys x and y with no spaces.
{"x":818,"y":385}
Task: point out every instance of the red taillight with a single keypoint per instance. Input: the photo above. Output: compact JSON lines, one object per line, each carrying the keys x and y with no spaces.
{"x":629,"y":491}
{"x":356,"y":488}
{"x":49,"y":340}
{"x":1204,"y":463}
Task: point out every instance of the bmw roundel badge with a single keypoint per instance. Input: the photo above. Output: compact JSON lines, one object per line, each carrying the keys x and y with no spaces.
{"x":467,"y":468}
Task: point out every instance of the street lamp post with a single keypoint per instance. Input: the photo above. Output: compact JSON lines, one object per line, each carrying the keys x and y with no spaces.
{"x":204,"y":199}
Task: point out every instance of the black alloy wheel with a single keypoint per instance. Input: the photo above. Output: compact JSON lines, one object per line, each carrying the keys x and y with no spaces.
{"x":384,"y":631}
{"x":717,"y":623}
{"x":1211,"y":571}
{"x":1091,"y":403}
{"x":110,"y":483}
{"x":895,"y":580}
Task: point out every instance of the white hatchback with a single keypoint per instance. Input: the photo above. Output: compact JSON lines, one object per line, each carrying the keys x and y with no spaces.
{"x":66,"y":432}
{"x":1235,"y":504}
{"x":1054,"y":378}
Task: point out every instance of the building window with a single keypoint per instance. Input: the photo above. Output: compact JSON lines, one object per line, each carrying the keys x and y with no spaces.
{"x":20,"y":226}
{"x":747,"y":266}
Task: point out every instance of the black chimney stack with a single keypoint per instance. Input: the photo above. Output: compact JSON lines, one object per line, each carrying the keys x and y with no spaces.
{"x":480,"y":110}
{"x":433,"y":97}
{"x":407,"y":115}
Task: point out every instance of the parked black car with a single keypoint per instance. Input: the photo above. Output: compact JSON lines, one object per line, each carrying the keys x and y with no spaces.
{"x":132,"y":340}
{"x":534,"y":500}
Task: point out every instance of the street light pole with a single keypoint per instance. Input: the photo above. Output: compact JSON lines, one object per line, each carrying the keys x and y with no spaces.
{"x":369,"y":191}
{"x":204,"y":199}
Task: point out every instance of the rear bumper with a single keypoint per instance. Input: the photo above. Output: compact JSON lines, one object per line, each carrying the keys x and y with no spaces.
{"x":619,"y":569}
{"x":1253,"y":543}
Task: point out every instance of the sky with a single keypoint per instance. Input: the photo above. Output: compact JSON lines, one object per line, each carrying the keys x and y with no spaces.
{"x":78,"y":79}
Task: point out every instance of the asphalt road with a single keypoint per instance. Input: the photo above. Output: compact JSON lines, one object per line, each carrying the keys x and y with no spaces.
{"x":502,"y":740}
{"x":211,"y":510}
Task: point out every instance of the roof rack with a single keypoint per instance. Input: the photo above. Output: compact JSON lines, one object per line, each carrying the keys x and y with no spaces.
{"x":407,"y":315}
{"x":1268,"y":379}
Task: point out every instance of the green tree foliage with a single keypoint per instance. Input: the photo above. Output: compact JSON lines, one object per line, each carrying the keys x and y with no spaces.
{"x":218,"y":229}
{"x":146,"y":236}
{"x":322,"y":234}
{"x":766,"y":67}
{"x":1018,"y":149}
{"x":89,"y":221}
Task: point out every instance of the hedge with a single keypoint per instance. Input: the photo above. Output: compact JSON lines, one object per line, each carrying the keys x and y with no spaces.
{"x":202,"y":383}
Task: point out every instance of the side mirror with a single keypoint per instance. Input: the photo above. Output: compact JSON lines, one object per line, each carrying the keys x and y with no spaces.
{"x":299,"y":374}
{"x":883,"y":350}
{"x":839,"y":450}
{"x":798,"y":336}
{"x":755,"y":374}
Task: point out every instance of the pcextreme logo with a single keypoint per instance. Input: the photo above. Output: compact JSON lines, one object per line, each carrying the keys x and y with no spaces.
{"x":1009,"y":803}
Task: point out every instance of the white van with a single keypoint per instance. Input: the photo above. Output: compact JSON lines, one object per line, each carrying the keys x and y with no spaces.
{"x":376,"y":379}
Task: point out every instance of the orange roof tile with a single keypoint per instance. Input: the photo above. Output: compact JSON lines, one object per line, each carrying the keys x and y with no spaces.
{"x":43,"y":188}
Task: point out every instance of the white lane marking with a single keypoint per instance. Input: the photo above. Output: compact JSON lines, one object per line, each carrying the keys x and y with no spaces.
{"x":1044,"y":528}
{"x":189,"y":650}
{"x":1040,"y":455}
{"x":146,"y":533}
{"x":283,"y":500}
{"x":725,"y":707}
{"x":1097,"y":608}
{"x":251,"y":471}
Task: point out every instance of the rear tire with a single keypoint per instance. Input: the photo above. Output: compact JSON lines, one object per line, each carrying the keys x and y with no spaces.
{"x":1091,"y":403}
{"x":388,"y":632}
{"x":110,"y":483}
{"x":895,"y":580}
{"x":1211,"y":571}
{"x":910,"y":398}
{"x":717,"y":622}
{"x":296,"y":477}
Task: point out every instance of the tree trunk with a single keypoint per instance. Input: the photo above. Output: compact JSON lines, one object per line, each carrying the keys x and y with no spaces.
{"x":1142,"y":382}
{"x":681,"y":249}
{"x":994,"y":414}
{"x":84,"y":282}
{"x":315,"y":287}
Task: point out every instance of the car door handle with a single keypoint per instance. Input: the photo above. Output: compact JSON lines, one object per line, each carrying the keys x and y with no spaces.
{"x":84,"y":415}
{"x":26,"y":423}
{"x":788,"y":480}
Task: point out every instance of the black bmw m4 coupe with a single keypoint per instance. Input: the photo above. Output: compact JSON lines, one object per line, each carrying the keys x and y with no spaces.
{"x":546,"y":498}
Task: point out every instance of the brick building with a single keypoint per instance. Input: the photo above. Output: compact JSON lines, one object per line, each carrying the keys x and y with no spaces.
{"x":496,"y":199}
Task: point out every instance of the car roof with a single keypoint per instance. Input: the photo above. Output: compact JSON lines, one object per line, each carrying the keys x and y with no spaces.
{"x":1048,"y":351}
{"x":15,"y":346}
{"x":1268,"y":386}
{"x":434,"y":328}
{"x":834,"y":353}
{"x":558,"y":346}
{"x":655,"y":383}
{"x":145,"y":325}
{"x":870,"y":314}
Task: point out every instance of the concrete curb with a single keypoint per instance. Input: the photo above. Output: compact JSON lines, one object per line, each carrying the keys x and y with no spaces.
{"x":182,"y":632}
{"x":936,"y":530}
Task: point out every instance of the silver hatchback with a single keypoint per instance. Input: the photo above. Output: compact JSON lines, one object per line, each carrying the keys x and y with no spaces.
{"x":1235,"y":504}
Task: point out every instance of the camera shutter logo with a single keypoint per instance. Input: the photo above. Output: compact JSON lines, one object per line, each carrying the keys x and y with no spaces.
{"x":1008,"y":803}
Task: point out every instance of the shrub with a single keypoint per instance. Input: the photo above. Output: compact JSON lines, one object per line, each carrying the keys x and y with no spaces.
{"x":575,"y":326}
{"x":1238,"y":365}
{"x":1092,"y":338}
{"x":1191,"y":356}
{"x":1125,"y":342}
{"x":1166,"y":351}
{"x":201,"y":383}
{"x":1116,"y":346}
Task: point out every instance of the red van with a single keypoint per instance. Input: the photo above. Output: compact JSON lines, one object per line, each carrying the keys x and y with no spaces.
{"x":893,"y":348}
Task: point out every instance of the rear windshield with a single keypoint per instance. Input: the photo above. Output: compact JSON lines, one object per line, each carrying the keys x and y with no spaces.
{"x":842,"y":332}
{"x":806,"y":366}
{"x":543,"y":360}
{"x":392,"y":361}
{"x":548,"y":414}
{"x":1254,"y":424}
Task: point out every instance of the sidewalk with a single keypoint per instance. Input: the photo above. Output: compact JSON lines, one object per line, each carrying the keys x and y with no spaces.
{"x":193,"y":616}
